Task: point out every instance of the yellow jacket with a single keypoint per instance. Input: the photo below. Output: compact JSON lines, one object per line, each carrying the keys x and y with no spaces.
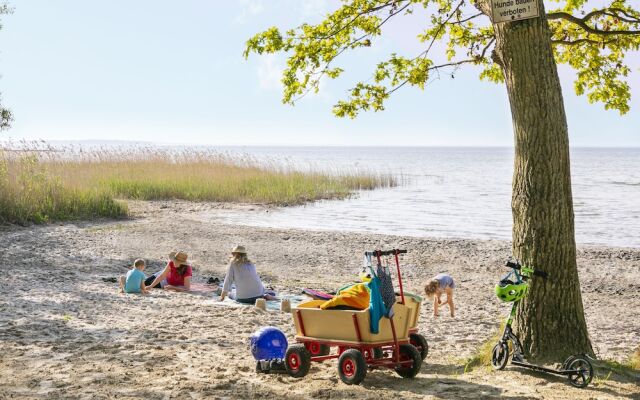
{"x":356,"y":296}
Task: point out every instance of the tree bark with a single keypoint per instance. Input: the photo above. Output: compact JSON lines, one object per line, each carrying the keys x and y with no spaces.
{"x":550,"y":320}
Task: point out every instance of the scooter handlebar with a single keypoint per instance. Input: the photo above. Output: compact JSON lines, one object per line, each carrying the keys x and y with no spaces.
{"x":513,"y":264}
{"x":539,"y":273}
{"x":516,"y":265}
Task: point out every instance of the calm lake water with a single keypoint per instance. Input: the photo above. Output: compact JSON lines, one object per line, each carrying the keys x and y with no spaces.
{"x":454,"y":192}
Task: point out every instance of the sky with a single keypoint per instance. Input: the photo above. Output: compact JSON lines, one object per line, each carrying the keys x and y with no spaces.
{"x":173,"y":72}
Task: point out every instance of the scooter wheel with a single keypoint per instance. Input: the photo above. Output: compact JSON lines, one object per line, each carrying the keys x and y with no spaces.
{"x":499,"y":356}
{"x":582,"y":372}
{"x":565,"y":364}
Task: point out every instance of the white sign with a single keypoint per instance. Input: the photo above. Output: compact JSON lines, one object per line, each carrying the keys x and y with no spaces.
{"x":513,"y":10}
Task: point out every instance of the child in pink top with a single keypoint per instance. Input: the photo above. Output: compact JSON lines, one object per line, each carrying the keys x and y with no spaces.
{"x":176,"y":275}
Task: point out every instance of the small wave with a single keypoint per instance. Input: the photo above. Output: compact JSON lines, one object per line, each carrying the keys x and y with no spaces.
{"x":626,"y":183}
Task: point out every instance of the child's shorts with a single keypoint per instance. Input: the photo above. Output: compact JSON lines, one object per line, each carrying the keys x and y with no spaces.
{"x":152,"y":278}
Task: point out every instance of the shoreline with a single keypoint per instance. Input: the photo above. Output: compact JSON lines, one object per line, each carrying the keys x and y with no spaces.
{"x":65,"y":332}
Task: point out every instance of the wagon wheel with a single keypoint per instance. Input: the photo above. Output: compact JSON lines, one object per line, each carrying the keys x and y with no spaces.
{"x":316,"y":349}
{"x":419,"y":342}
{"x":352,"y":367}
{"x":583,"y":372}
{"x":297,"y":360}
{"x":499,"y":356}
{"x":409,"y":353}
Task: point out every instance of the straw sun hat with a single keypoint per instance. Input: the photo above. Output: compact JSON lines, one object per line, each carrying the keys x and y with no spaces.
{"x":178,"y":257}
{"x":239,"y":250}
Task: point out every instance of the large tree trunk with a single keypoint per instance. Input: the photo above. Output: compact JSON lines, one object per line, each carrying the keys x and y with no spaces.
{"x":550,"y":321}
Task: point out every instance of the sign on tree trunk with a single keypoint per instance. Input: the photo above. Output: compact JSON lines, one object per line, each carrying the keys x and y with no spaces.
{"x":513,"y":10}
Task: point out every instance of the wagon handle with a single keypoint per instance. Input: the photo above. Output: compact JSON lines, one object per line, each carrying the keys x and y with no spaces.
{"x":399,"y":277}
{"x":384,"y":252}
{"x":394,"y":252}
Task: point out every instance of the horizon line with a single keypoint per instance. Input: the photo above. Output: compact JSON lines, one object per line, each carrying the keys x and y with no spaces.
{"x":182,"y":144}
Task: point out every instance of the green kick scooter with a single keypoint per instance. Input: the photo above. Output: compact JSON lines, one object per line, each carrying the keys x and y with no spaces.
{"x":577,"y":368}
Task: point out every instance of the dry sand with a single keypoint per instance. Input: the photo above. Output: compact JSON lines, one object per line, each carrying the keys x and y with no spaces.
{"x":66,"y":333}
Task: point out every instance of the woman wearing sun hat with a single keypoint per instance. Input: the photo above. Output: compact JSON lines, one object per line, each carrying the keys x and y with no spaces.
{"x":175,"y":276}
{"x":242,"y":272}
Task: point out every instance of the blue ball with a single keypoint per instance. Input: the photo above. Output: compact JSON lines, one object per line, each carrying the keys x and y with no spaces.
{"x":268,"y":343}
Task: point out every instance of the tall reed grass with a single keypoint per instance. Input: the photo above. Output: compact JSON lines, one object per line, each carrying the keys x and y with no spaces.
{"x":39,"y":184}
{"x":29,"y":192}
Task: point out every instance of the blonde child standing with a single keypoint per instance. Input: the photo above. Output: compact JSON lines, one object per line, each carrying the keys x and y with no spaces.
{"x":438,"y":285}
{"x":133,"y":281}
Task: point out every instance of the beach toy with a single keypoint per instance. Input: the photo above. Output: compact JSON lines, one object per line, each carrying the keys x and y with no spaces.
{"x":261,"y":304}
{"x":316,"y":294}
{"x":285,"y":305}
{"x":268,"y":343}
{"x":268,"y":346}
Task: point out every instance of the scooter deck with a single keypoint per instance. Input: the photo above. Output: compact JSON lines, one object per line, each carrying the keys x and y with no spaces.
{"x":541,"y":369}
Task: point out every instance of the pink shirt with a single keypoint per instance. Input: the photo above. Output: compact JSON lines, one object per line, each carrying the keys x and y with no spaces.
{"x":174,"y":278}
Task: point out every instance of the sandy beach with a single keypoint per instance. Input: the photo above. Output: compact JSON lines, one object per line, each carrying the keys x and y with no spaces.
{"x":66,"y":332}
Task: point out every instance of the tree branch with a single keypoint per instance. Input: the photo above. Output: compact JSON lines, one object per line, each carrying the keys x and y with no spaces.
{"x":580,"y":41}
{"x":442,"y":25}
{"x":436,"y":67}
{"x":391,"y":15}
{"x":474,"y":60}
{"x":612,"y":12}
{"x":360,"y":14}
{"x":462,"y":21}
{"x":324,"y":70}
{"x":582,"y":22}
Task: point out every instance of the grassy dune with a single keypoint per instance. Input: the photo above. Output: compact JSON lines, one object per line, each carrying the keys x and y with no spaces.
{"x":39,"y":186}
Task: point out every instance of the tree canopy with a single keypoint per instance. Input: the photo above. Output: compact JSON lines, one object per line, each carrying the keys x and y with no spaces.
{"x":592,"y":41}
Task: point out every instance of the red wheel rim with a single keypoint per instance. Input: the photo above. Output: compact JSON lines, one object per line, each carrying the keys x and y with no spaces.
{"x":416,"y":345}
{"x":406,"y":357}
{"x":294,"y":362}
{"x":314,"y":348}
{"x":348,"y":368}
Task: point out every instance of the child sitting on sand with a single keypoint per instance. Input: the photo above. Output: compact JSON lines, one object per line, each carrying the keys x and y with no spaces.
{"x":133,"y":281}
{"x":439,"y":284}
